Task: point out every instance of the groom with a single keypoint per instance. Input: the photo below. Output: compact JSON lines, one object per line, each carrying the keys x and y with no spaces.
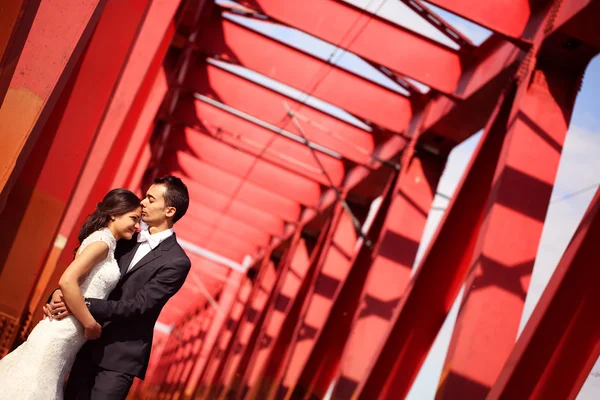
{"x":153,"y":268}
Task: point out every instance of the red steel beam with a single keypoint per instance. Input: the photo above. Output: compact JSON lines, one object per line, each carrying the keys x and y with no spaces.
{"x":15,"y":23}
{"x":440,"y":273}
{"x":253,"y":197}
{"x":253,"y":315}
{"x":498,"y":280}
{"x":559,"y":345}
{"x":492,"y":14}
{"x":115,"y":132}
{"x":270,"y":106}
{"x":391,"y":267}
{"x":200,"y":215}
{"x":361,"y":33}
{"x":226,"y":334}
{"x":262,"y":381}
{"x":319,"y":370}
{"x":353,"y":93}
{"x":258,"y":141}
{"x":331,"y":272}
{"x":235,"y":175}
{"x":57,"y":37}
{"x":226,"y":301}
{"x":219,"y":202}
{"x":259,"y":351}
{"x":46,"y":184}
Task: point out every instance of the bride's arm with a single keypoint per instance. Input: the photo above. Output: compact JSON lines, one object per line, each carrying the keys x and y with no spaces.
{"x":69,"y":285}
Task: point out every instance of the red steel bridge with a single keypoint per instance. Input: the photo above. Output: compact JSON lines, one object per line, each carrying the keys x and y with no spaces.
{"x":292,"y":295}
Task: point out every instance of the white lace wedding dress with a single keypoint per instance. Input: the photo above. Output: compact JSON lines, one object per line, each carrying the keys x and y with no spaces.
{"x":36,"y":370}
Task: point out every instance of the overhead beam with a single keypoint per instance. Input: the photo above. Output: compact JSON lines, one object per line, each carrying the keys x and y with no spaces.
{"x":264,"y":174}
{"x":370,"y":37}
{"x":256,"y":140}
{"x":270,"y":106}
{"x":254,"y":196}
{"x":328,"y":82}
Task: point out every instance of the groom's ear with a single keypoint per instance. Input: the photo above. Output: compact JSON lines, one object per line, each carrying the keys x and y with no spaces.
{"x":171,"y":212}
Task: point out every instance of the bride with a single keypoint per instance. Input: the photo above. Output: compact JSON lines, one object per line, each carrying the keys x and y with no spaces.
{"x":37,"y":369}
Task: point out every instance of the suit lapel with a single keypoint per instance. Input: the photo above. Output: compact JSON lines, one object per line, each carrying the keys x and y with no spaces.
{"x":126,"y":258}
{"x":165,"y":245}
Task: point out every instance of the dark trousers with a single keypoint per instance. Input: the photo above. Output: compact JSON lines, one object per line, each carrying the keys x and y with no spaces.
{"x":88,"y":381}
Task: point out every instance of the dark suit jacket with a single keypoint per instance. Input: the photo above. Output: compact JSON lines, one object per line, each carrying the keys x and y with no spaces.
{"x":131,"y":311}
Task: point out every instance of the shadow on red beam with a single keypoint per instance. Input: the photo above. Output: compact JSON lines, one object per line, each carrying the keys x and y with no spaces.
{"x":202,"y":219}
{"x":346,"y":139}
{"x":256,"y":197}
{"x":361,"y":97}
{"x":439,"y":275}
{"x":263,"y":174}
{"x":371,"y":37}
{"x":559,"y":345}
{"x":255,"y":139}
{"x":16,"y":20}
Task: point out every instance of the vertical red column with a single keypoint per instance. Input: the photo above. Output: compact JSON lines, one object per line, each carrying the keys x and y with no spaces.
{"x":391,"y":267}
{"x":279,"y":306}
{"x":114,"y":134}
{"x":226,"y":336}
{"x":38,"y":200}
{"x":320,"y":368}
{"x":497,"y":283}
{"x":249,"y":323}
{"x":331,"y":270}
{"x":57,"y":37}
{"x":226,"y":301}
{"x":560,"y":343}
{"x":15,"y":23}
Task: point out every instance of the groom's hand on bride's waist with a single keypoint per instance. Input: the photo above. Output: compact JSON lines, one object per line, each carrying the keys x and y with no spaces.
{"x":56,"y":308}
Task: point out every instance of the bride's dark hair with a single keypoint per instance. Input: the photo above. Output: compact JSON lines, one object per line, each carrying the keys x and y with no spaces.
{"x":116,"y":202}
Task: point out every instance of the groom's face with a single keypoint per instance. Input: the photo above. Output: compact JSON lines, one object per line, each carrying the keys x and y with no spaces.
{"x":154,"y":208}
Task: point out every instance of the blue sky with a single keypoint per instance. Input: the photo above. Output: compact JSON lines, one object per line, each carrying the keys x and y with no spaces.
{"x":578,"y":169}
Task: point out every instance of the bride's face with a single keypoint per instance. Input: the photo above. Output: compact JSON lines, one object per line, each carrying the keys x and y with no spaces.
{"x":127,"y":224}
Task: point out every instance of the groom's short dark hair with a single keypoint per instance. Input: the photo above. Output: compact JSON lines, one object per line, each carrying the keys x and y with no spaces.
{"x":176,"y":195}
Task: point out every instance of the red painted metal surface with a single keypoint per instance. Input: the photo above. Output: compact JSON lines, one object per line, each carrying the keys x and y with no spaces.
{"x":498,"y":281}
{"x":43,"y":69}
{"x":391,"y":267}
{"x":258,"y":141}
{"x":559,"y":345}
{"x":353,"y":93}
{"x":45,"y":186}
{"x":15,"y":23}
{"x":230,"y":177}
{"x":421,"y":58}
{"x":331,"y":272}
{"x":252,"y":317}
{"x":226,"y":301}
{"x":439,"y":275}
{"x":491,"y":15}
{"x":290,"y":281}
{"x":341,"y":137}
{"x":224,"y":338}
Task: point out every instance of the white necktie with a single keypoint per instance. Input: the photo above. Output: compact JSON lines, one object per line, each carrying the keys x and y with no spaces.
{"x":145,"y":236}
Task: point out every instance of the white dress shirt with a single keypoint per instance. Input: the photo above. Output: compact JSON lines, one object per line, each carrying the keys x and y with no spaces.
{"x":148,"y":243}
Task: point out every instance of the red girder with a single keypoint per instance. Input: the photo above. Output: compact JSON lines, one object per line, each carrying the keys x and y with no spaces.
{"x":357,"y":95}
{"x":258,"y":141}
{"x":199,"y":213}
{"x":235,"y":207}
{"x":251,"y":195}
{"x":492,"y":14}
{"x":371,"y":37}
{"x":201,"y":235}
{"x":341,"y":137}
{"x":232,"y":177}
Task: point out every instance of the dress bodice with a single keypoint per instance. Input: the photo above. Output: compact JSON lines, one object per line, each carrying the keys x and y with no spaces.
{"x":103,"y":277}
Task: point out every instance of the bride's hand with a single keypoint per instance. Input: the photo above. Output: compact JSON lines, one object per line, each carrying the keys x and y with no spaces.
{"x":93,"y":331}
